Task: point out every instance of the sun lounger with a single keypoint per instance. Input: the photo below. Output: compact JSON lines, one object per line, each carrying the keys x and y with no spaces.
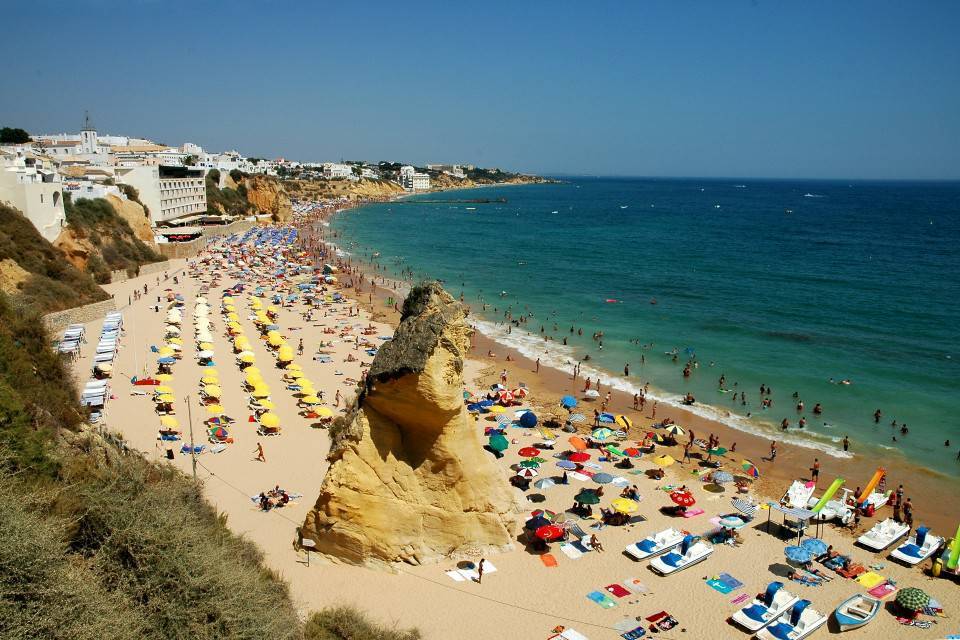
{"x":883,"y":534}
{"x":802,"y":621}
{"x":570,"y":551}
{"x":774,"y":602}
{"x":653,"y":545}
{"x":692,"y":550}
{"x":918,"y":547}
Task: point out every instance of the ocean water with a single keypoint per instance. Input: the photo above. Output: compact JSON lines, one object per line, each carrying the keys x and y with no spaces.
{"x":780,"y":283}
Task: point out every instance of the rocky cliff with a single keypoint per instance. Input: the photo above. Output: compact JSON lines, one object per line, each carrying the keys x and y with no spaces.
{"x":269,"y":196}
{"x":330,"y":189}
{"x":408,"y":479}
{"x":136,"y":217}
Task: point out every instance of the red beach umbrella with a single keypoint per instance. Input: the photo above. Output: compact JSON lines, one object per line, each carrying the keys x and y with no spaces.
{"x":577,"y":443}
{"x":580,"y":456}
{"x":633,"y":452}
{"x":529,"y":452}
{"x":549,"y":532}
{"x":682,"y":497}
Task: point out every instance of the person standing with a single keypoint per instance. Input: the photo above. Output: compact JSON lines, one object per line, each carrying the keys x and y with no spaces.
{"x":815,"y":470}
{"x":908,"y":514}
{"x":480,"y":570}
{"x":538,"y":366}
{"x":846,"y":443}
{"x":259,"y":452}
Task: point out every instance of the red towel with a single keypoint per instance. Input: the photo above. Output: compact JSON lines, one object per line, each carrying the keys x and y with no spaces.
{"x":617,"y":590}
{"x":548,"y":560}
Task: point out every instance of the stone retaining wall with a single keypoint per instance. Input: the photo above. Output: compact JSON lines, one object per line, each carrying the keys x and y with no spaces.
{"x":58,"y":321}
{"x":174,"y":250}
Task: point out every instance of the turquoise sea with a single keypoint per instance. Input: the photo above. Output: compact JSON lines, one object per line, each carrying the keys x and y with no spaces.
{"x":780,"y":283}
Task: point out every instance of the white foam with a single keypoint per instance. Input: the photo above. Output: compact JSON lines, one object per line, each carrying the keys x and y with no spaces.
{"x":562,"y":357}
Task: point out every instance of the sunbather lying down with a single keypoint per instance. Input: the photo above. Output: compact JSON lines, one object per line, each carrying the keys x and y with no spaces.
{"x":805,"y":579}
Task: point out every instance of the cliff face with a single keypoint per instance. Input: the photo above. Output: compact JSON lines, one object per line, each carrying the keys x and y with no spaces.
{"x":329,"y":189}
{"x":269,"y":196}
{"x":409,"y":480}
{"x":135,"y":216}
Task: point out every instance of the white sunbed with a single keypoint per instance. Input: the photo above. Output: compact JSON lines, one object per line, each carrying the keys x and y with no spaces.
{"x":655,"y":544}
{"x":799,"y":493}
{"x":918,"y":547}
{"x":691,"y":551}
{"x":762,"y":611}
{"x":802,"y":621}
{"x":883,"y":534}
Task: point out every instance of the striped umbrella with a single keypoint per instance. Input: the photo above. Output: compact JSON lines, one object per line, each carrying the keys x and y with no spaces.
{"x":576,"y":418}
{"x":745,"y":507}
{"x":528,"y":473}
{"x":675,"y":430}
{"x":750,"y":469}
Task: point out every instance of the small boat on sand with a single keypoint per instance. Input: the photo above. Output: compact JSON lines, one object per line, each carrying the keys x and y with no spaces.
{"x":918,"y":547}
{"x":856,"y":611}
{"x":883,"y":534}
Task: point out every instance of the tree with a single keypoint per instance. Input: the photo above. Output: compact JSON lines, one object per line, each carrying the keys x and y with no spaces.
{"x":190,"y":160}
{"x":13,"y":136}
{"x":236,"y":175}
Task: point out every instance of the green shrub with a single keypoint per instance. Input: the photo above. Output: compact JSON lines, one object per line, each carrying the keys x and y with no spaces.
{"x":348,"y":623}
{"x":120,"y":248}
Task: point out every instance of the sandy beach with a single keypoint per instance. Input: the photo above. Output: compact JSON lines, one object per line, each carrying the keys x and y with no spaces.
{"x":524,"y":597}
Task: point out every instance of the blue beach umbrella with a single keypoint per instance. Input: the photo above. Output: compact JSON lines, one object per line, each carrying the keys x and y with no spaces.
{"x":720,"y":477}
{"x":797,"y":555}
{"x":568,"y":402}
{"x":166,"y":360}
{"x":815,"y":546}
{"x":536,"y":522}
{"x":528,"y":420}
{"x":602,"y":478}
{"x":566,"y":464}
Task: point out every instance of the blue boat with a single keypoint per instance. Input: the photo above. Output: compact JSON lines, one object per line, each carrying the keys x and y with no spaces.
{"x":856,"y":611}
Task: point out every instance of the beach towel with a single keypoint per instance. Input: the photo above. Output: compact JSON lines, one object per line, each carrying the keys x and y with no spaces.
{"x":582,"y":545}
{"x":455,"y":576}
{"x":637,"y":632}
{"x":634,"y":585}
{"x":617,"y":590}
{"x":854,"y":571}
{"x":548,"y":560}
{"x":601,"y":599}
{"x":620,"y":481}
{"x":576,"y":475}
{"x":570,"y":551}
{"x":663,"y":620}
{"x":870,"y":580}
{"x":724,"y":583}
{"x":740,"y":599}
{"x":689,"y":513}
{"x":881,"y":591}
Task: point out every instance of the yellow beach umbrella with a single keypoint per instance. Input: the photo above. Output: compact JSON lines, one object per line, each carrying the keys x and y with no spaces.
{"x":253,"y":369}
{"x":270,"y":420}
{"x":233,"y":317}
{"x":267,"y":404}
{"x":253,"y":379}
{"x":663,"y":461}
{"x":311,"y":400}
{"x":260,"y":393}
{"x":211,"y":371}
{"x":285,"y":353}
{"x":210,"y":380}
{"x":212,"y":390}
{"x":169,"y":421}
{"x":226,"y":300}
{"x":246,"y":357}
{"x":215,"y":409}
{"x":163,"y":389}
{"x":293,"y":366}
{"x":164,"y":398}
{"x":624,"y":505}
{"x":164,"y":377}
{"x":175,"y":340}
{"x":325,"y":412}
{"x":271,"y":309}
{"x":275,"y":340}
{"x":165,"y":352}
{"x":229,"y":308}
{"x":205,"y":346}
{"x":295,"y":374}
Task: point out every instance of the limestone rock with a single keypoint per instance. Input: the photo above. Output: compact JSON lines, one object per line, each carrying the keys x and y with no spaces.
{"x":409,"y":479}
{"x":136,"y":217}
{"x":269,"y":196}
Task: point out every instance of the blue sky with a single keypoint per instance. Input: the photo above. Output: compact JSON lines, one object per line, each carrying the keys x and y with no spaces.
{"x":852,"y":89}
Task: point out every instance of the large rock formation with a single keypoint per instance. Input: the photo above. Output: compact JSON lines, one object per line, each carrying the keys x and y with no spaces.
{"x":269,"y":196}
{"x":136,"y":217}
{"x":409,"y":479}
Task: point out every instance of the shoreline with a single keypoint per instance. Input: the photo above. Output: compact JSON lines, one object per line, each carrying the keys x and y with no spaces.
{"x":926,"y":488}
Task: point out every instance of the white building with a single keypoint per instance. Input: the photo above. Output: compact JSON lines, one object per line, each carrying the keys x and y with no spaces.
{"x":454,"y":170}
{"x":336,"y":170}
{"x":370,"y":173}
{"x":169,"y":192}
{"x":191,"y":149}
{"x":29,"y":185}
{"x":413,"y":181}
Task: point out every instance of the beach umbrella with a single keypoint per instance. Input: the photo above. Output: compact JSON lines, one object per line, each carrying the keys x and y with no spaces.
{"x":215,"y":409}
{"x":502,"y":419}
{"x":325,"y":412}
{"x":528,"y":473}
{"x":544,"y":483}
{"x":212,"y":390}
{"x":632,"y":452}
{"x":549,"y":532}
{"x":175,"y":341}
{"x":529,"y":452}
{"x":663,"y":461}
{"x":163,"y":389}
{"x":165,"y":352}
{"x":266,"y":404}
{"x":164,"y":377}
{"x":601,"y":434}
{"x":732,"y":522}
{"x":260,"y":392}
{"x":721,"y":477}
{"x":675,"y":430}
{"x":750,"y":469}
{"x":254,"y":370}
{"x":624,"y":505}
{"x":497,"y":408}
{"x":528,"y":420}
{"x":797,"y":555}
{"x":163,"y":398}
{"x":219,"y":433}
{"x":576,"y":418}
{"x":529,"y":464}
{"x":270,"y":420}
{"x":568,"y":402}
{"x":816,"y":546}
{"x":521,"y":392}
{"x":577,"y":443}
{"x":912,"y":598}
{"x":293,"y":366}
{"x":536,"y":522}
{"x":602,"y":478}
{"x":174,"y":347}
{"x":205,"y":346}
{"x":624,"y":422}
{"x":617,"y":452}
{"x":169,"y":421}
{"x":246,"y":357}
{"x":580,"y":456}
{"x":682,"y":497}
{"x":591,"y":394}
{"x":566,"y":464}
{"x":719,"y":451}
{"x":498,"y":442}
{"x":586,"y":496}
{"x":210,"y":380}
{"x":296,"y":375}
{"x":311,"y":399}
